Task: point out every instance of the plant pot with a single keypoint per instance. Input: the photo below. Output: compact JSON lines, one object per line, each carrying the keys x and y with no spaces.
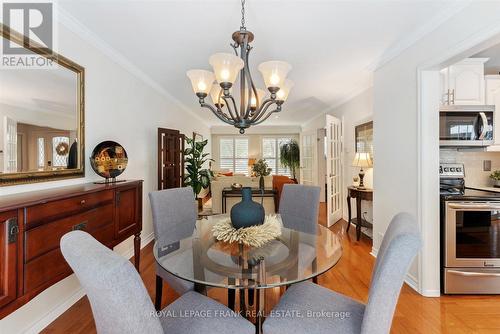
{"x":496,"y":183}
{"x":200,"y":204}
{"x":261,"y":182}
{"x":247,"y":212}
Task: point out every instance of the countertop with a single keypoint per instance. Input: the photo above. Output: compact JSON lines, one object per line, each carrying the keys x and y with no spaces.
{"x":492,"y":189}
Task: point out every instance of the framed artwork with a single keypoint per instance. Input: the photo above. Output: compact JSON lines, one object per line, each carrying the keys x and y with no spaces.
{"x":364,"y":138}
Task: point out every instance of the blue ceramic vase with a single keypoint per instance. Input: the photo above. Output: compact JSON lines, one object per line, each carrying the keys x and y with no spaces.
{"x":247,"y":212}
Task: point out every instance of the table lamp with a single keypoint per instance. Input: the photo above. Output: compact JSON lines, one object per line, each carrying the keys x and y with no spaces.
{"x":251,"y":162}
{"x":362,"y":160}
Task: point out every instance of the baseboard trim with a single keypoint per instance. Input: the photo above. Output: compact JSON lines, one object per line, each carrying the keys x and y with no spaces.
{"x":431,"y":293}
{"x":412,"y":282}
{"x":56,"y":312}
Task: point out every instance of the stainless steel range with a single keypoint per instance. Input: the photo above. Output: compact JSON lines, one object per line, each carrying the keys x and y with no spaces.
{"x":470,"y":230}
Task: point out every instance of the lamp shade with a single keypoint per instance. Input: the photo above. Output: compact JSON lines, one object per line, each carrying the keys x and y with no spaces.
{"x":201,"y":80}
{"x":251,"y":162}
{"x":274,"y":73}
{"x":226,"y":67}
{"x":282,"y":94}
{"x":253,"y":100}
{"x":362,"y":160}
{"x":215,"y":92}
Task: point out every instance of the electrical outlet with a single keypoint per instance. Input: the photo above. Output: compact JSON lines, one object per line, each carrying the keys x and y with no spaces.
{"x":487,"y":165}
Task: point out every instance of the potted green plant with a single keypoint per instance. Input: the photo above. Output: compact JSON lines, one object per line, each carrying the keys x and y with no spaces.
{"x":260,"y":168}
{"x":495,"y":176}
{"x":196,"y":176}
{"x":290,"y":157}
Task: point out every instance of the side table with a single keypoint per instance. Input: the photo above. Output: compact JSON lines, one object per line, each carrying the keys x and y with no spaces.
{"x":359,"y":195}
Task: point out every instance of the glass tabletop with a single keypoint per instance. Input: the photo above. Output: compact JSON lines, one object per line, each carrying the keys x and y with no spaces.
{"x":293,"y":257}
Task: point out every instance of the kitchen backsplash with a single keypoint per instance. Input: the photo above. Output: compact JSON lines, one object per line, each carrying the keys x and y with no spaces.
{"x":473,"y":162}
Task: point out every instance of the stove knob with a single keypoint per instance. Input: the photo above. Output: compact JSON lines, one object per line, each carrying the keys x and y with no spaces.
{"x":452,"y":169}
{"x":446,"y":169}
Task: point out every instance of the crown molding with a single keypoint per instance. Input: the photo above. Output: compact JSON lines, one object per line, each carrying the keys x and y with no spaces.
{"x":405,"y":43}
{"x":70,"y":22}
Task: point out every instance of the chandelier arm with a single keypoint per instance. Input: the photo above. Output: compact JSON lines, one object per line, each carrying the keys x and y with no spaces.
{"x":251,"y":87}
{"x":262,"y":110}
{"x":235,"y":117}
{"x":216,"y":112}
{"x":278,"y":109}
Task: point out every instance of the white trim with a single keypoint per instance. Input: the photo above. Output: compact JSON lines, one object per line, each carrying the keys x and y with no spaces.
{"x":54,"y":313}
{"x":412,"y":282}
{"x":86,"y":34}
{"x":412,"y":38}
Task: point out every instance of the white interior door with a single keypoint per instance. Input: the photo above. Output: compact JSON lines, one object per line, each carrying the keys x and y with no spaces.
{"x":10,"y":132}
{"x":308,"y":170}
{"x":333,"y":169}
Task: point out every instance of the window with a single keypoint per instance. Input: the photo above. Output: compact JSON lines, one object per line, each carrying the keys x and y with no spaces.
{"x":41,"y":152}
{"x":271,"y":153}
{"x":234,"y":154}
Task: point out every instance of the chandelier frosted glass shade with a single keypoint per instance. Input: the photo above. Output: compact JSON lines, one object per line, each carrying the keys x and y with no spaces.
{"x":282,"y":94}
{"x":253,"y":101}
{"x":226,"y":67}
{"x":201,"y":81}
{"x":215,"y":93}
{"x":274,"y":73}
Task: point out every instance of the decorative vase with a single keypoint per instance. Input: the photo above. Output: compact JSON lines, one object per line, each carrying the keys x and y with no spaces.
{"x":261,"y":182}
{"x":247,"y":212}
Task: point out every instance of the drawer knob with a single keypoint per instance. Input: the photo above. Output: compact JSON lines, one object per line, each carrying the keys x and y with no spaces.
{"x":82,"y":202}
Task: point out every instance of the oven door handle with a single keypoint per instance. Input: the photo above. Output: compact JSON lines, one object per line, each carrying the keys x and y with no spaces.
{"x":463,"y":206}
{"x":473,"y":274}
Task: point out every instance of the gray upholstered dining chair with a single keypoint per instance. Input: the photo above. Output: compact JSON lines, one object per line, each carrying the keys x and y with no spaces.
{"x":174,"y":218}
{"x":345,"y":315}
{"x":299,"y":207}
{"x":120,"y":302}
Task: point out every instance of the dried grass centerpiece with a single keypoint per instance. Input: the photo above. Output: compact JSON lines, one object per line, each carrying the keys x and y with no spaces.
{"x":254,"y":236}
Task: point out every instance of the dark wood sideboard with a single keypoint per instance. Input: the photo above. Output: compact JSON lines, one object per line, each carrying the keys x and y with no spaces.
{"x":32,"y":224}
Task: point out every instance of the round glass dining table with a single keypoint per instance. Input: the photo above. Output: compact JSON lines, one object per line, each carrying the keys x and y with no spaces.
{"x":291,"y":258}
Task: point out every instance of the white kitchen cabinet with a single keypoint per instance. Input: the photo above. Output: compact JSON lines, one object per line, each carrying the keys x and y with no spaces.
{"x":463,"y":83}
{"x":492,"y":84}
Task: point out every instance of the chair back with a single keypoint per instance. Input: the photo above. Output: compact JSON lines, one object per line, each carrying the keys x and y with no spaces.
{"x":299,"y":207}
{"x":119,"y":300}
{"x":174,"y":214}
{"x":399,"y":247}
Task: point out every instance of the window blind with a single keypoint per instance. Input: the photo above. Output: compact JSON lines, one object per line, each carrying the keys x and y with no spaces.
{"x":234,"y":155}
{"x":271,"y":153}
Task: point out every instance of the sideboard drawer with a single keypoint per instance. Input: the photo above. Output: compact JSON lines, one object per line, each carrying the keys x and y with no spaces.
{"x":44,"y":238}
{"x":50,"y":267}
{"x":43,"y":213}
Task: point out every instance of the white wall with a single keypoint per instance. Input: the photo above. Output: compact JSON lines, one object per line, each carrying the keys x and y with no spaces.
{"x":119,"y":107}
{"x":356,"y":111}
{"x":396,"y":138}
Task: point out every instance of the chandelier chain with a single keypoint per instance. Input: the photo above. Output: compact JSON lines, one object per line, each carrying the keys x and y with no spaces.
{"x":243,"y":13}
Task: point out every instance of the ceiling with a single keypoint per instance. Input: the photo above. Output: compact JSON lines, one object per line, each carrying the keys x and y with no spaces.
{"x":333,"y":46}
{"x":492,"y":66}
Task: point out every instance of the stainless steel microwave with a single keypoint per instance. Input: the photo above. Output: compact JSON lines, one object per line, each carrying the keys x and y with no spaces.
{"x":466,"y":125}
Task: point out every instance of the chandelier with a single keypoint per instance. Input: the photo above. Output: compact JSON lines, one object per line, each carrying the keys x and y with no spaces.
{"x":255,"y":106}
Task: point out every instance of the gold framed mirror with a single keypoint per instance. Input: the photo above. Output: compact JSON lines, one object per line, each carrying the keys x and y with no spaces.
{"x":42,"y":117}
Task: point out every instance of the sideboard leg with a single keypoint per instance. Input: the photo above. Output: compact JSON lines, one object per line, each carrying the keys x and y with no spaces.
{"x":137,"y":250}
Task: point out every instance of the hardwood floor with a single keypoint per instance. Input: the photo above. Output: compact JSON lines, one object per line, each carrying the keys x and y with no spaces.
{"x":351,"y":276}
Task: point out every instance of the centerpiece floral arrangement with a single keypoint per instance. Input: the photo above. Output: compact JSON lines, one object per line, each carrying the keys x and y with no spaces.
{"x":261,"y":168}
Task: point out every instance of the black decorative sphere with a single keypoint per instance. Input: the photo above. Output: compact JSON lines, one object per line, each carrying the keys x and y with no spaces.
{"x":109,"y":159}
